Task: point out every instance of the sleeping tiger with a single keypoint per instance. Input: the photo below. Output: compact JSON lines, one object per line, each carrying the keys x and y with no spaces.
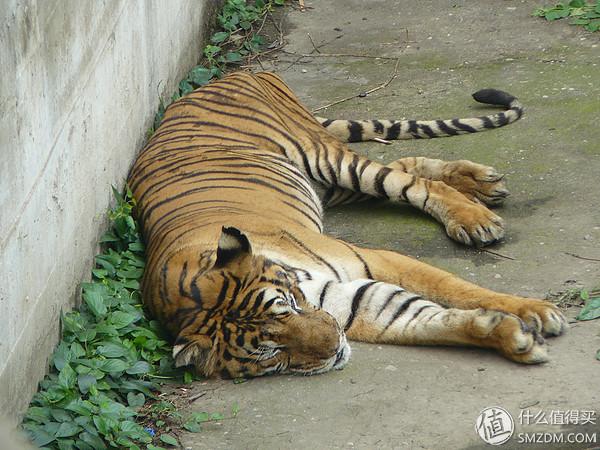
{"x":240,"y":272}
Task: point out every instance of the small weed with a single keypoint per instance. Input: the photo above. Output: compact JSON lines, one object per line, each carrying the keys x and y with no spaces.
{"x":591,"y":308}
{"x":100,"y":391}
{"x":583,"y":13}
{"x":237,"y":40}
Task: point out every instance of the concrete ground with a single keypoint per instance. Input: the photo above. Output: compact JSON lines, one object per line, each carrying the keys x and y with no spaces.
{"x":408,"y":397}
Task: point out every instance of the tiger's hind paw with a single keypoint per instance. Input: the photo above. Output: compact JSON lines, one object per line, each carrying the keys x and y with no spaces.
{"x":479,"y":183}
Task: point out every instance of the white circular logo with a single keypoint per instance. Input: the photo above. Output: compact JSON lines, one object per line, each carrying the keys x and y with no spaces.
{"x":495,"y":425}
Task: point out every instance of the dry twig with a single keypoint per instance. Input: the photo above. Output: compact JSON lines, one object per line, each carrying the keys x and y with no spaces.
{"x":500,"y":255}
{"x":362,"y":94}
{"x":338,"y":55}
{"x":582,"y":257}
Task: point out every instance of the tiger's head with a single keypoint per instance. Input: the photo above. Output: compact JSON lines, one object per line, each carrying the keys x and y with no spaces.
{"x":254,"y":320}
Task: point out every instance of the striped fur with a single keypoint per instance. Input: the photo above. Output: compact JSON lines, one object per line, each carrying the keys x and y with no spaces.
{"x":365,"y":130}
{"x":240,"y":273}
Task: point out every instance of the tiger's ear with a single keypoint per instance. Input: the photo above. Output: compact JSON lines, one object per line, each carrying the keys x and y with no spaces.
{"x":232,"y":244}
{"x":194,"y":350}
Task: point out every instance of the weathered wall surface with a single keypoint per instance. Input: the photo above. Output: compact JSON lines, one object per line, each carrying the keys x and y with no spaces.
{"x":79,"y":85}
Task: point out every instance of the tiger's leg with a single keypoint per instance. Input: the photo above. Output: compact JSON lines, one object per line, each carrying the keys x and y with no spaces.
{"x":345,"y":262}
{"x":465,"y":221}
{"x":372,"y":311}
{"x":479,"y":183}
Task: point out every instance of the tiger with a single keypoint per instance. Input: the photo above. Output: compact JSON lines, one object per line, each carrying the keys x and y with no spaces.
{"x":230,"y":192}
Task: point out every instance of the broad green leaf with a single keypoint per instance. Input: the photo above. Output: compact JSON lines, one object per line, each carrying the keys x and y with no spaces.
{"x":95,"y":302}
{"x":85,"y":381}
{"x":81,"y":407}
{"x":136,"y":400}
{"x":67,"y":377}
{"x":61,"y":355}
{"x":113,"y":365}
{"x":591,"y":310}
{"x":120,"y":319}
{"x":112,"y":350}
{"x":38,"y":414}
{"x":92,"y":440}
{"x":67,"y":429}
{"x":219,"y":37}
{"x":233,"y":57}
{"x":139,"y":367}
{"x":200,"y":417}
{"x":65,"y":444}
{"x":61,"y":415}
{"x":168,"y":439}
{"x":39,"y":436}
{"x":192,"y":426}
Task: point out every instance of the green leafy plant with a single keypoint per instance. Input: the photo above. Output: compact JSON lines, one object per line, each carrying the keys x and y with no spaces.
{"x":110,"y":355}
{"x":100,"y":390}
{"x":583,"y":13}
{"x":591,"y":308}
{"x":234,"y":43}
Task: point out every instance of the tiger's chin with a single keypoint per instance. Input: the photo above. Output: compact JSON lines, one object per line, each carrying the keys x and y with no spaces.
{"x":336,"y":362}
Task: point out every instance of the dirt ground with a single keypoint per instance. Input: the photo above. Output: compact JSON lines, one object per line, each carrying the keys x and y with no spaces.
{"x":408,"y":397}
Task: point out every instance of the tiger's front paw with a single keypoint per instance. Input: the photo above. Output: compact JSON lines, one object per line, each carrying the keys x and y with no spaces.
{"x":542,"y":316}
{"x":510,"y":336}
{"x":473,"y":224}
{"x":479,"y":183}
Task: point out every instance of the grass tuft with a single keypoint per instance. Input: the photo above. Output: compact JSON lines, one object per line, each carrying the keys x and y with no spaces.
{"x":581,"y":12}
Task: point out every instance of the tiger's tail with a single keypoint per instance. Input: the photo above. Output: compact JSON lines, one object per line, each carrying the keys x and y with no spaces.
{"x":366,"y":130}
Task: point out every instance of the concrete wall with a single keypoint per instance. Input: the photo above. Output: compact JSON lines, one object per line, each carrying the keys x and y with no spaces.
{"x":79,"y":86}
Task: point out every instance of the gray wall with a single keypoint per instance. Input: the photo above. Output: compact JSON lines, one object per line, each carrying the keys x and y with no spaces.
{"x":79,"y":86}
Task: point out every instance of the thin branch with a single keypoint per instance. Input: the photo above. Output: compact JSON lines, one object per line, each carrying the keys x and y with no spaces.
{"x":338,"y":55}
{"x":313,"y":43}
{"x":500,"y":255}
{"x":582,"y":257}
{"x":362,"y":94}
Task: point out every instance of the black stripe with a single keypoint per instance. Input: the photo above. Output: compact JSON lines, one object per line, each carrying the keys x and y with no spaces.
{"x":323,"y":293}
{"x":223,"y":292}
{"x":379,"y":180}
{"x":502,"y":119}
{"x":368,"y":273}
{"x":427,"y":130}
{"x":417,"y":312}
{"x":487,"y":122}
{"x":307,"y":250}
{"x":413,"y":129}
{"x":462,"y":126}
{"x":327,"y":123}
{"x":356,"y":131}
{"x":387,"y":301}
{"x":394,"y":131}
{"x":360,"y":292}
{"x":377,"y":126}
{"x":445,"y":128}
{"x":407,"y":187}
{"x":401,"y":309}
